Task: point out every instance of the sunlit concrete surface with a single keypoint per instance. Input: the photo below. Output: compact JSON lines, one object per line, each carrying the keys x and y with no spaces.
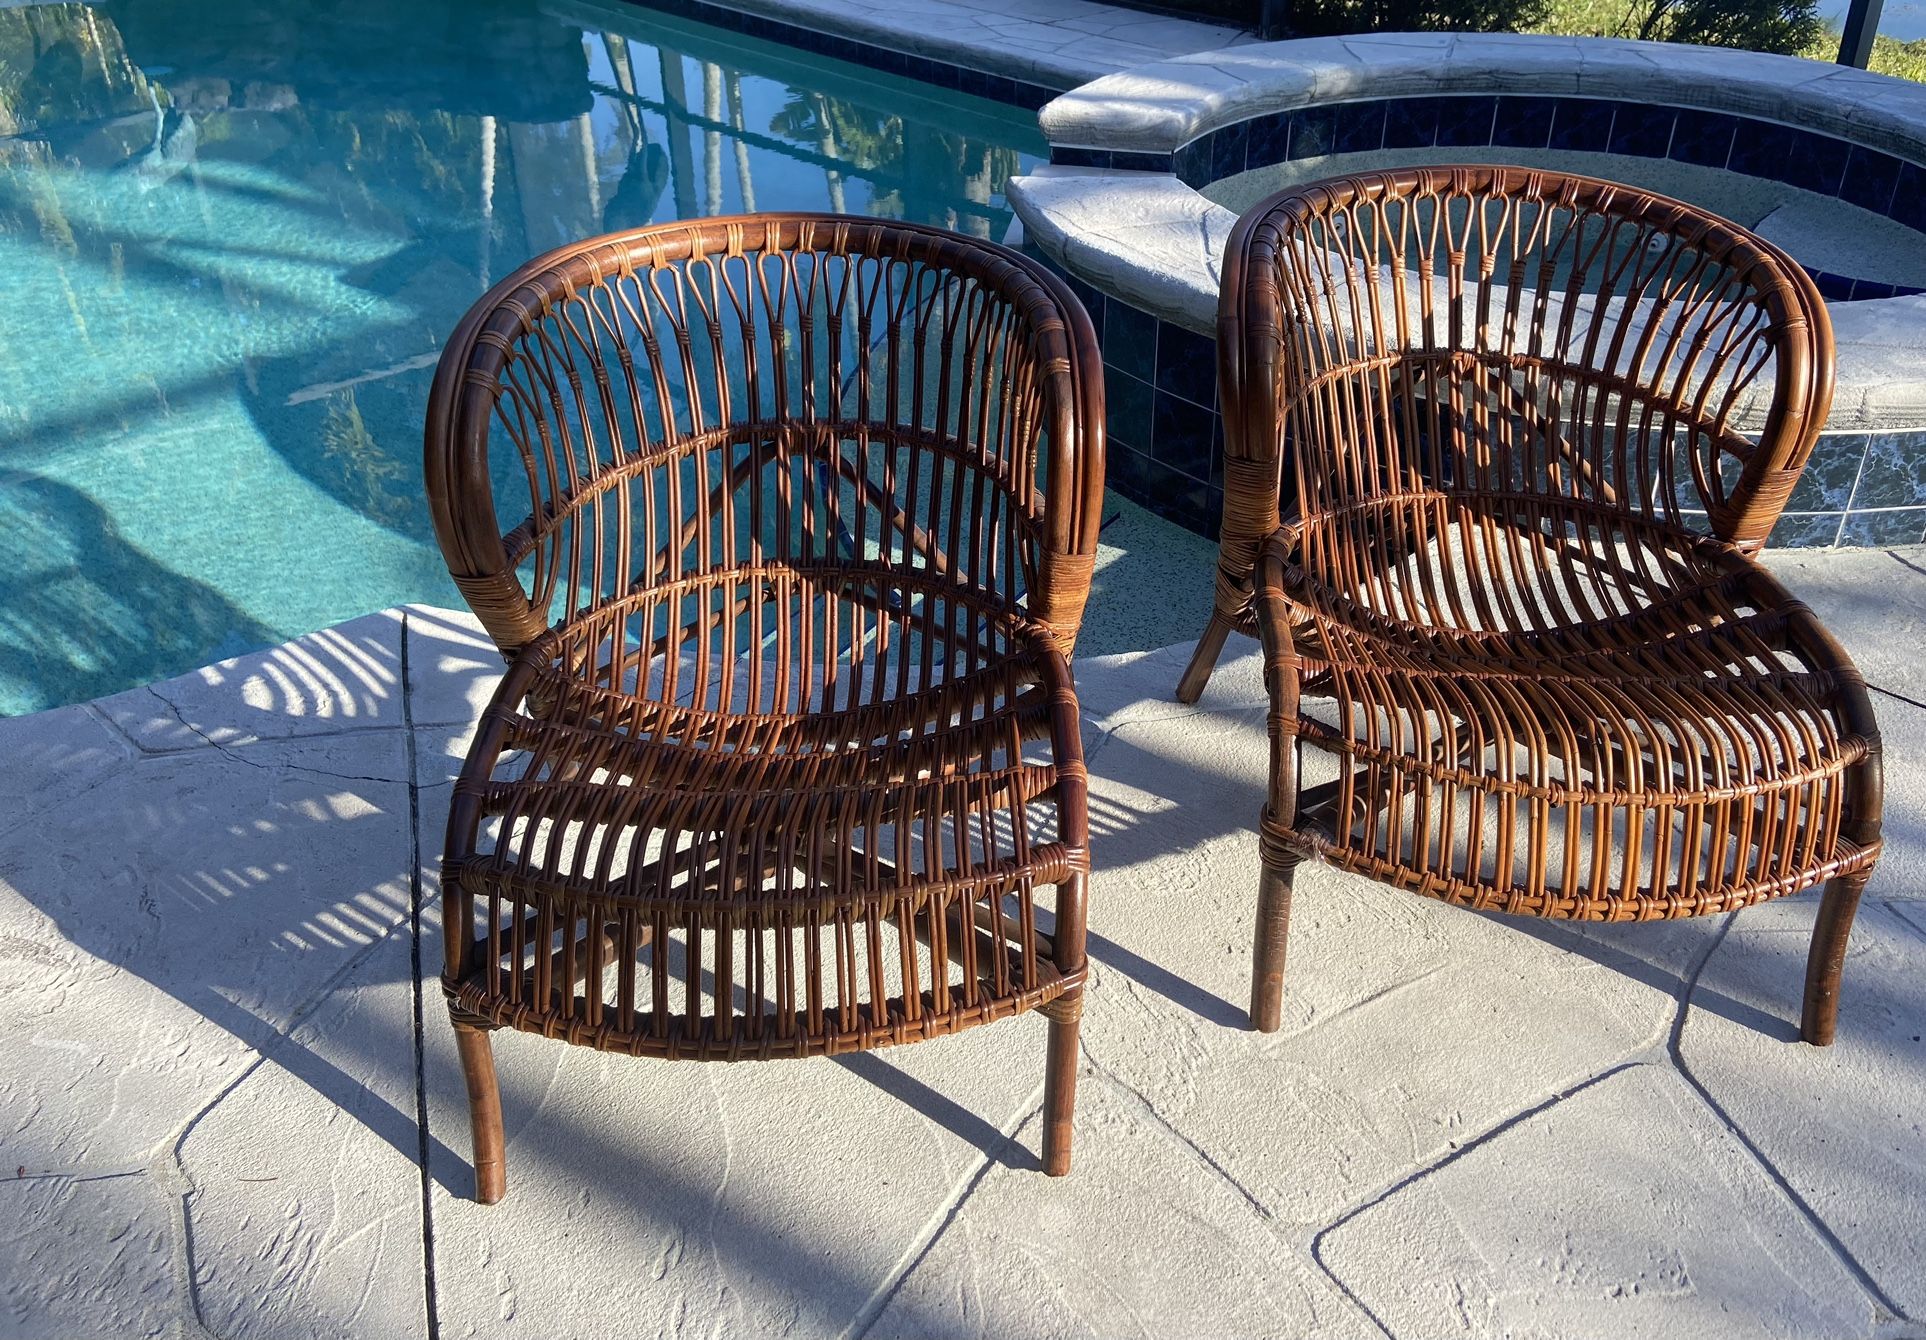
{"x":230,"y":1106}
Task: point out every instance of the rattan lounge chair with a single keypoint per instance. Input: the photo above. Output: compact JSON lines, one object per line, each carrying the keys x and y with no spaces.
{"x":1519,"y":653}
{"x":785,"y":526}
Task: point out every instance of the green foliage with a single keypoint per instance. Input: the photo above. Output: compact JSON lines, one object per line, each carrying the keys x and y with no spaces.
{"x":1902,"y":60}
{"x":1318,"y":18}
{"x":1791,"y":27}
{"x":1788,"y":27}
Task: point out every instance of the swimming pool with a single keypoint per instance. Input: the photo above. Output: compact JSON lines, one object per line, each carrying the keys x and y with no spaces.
{"x":234,"y":235}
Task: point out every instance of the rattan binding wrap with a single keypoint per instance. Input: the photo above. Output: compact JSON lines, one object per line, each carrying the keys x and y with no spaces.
{"x":785,"y":524}
{"x":1520,"y":656}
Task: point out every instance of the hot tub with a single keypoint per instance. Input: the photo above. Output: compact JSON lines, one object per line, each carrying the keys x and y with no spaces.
{"x":1150,"y":167}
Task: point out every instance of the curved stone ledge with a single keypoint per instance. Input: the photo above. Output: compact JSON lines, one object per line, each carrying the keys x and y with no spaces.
{"x":1159,"y":108}
{"x":1144,"y":237}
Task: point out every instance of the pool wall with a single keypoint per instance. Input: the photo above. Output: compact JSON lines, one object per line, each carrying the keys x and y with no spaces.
{"x":1119,"y":212}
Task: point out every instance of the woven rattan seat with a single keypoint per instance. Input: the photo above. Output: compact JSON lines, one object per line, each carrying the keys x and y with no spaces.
{"x":817,"y":823}
{"x":1520,"y":656}
{"x":787,"y":759}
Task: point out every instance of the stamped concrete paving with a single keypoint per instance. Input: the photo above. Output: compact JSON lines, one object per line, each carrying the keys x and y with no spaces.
{"x":222,"y":1080}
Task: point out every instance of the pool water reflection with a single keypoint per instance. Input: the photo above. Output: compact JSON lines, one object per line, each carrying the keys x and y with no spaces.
{"x":234,"y":235}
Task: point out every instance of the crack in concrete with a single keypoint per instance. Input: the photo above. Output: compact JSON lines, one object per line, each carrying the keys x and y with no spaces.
{"x":1443,"y":1161}
{"x":232,"y":749}
{"x":939,"y":1223}
{"x":419,"y":1007}
{"x":1799,"y":1203}
{"x":77,"y":1178}
{"x":1164,"y":1123}
{"x":107,"y":775}
{"x":1905,"y":562}
{"x":1277,"y":1041}
{"x":1897,"y":697}
{"x":1651,"y":1053}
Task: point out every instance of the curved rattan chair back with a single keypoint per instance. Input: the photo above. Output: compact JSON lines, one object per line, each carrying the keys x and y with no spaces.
{"x":632,"y":412}
{"x":1517,"y":335}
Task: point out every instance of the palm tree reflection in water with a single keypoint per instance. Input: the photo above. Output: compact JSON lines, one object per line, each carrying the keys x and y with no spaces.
{"x":249,"y":228}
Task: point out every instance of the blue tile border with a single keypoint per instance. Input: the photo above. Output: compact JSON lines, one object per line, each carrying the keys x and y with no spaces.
{"x":1027,"y":94}
{"x":1868,"y":178}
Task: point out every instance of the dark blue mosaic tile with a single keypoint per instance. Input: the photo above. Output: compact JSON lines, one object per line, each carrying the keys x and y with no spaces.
{"x":1227,"y":145}
{"x":1180,"y":497}
{"x":1192,"y":163}
{"x":1411,"y":123}
{"x":1795,"y":157}
{"x":1704,"y":138}
{"x":1826,"y":483}
{"x":1032,"y":96}
{"x":1313,"y":132}
{"x":1127,"y":470}
{"x":1818,"y":163}
{"x":1360,"y":128}
{"x":1266,"y":139}
{"x":1832,"y":287}
{"x":1868,"y":290}
{"x":1465,"y":122}
{"x":1870,"y":530}
{"x":1093,"y":299}
{"x":1795,"y":530}
{"x":1181,"y":436}
{"x":1140,"y":162}
{"x":1894,"y":474}
{"x":1130,"y":340}
{"x":1642,"y":132}
{"x":1524,"y":123}
{"x":1871,"y":178}
{"x":1186,"y":364}
{"x":1128,"y":405}
{"x":999,"y":88}
{"x":1043,"y":259}
{"x":1909,"y":197}
{"x":1068,"y":155}
{"x":1582,"y":125}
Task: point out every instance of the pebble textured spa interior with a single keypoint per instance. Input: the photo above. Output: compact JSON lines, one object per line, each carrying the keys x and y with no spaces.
{"x":1822,"y":164}
{"x":1866,"y":482}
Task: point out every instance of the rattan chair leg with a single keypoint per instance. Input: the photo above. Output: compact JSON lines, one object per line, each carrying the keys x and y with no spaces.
{"x":1204,"y":660}
{"x":1273,"y":930}
{"x":1827,"y":958}
{"x":1060,"y":1080}
{"x":484,"y":1111}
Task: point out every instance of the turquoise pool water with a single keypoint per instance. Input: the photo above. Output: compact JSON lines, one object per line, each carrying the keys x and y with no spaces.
{"x":234,"y":233}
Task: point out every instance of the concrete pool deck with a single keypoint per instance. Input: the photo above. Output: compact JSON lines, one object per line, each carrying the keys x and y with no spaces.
{"x":229,"y":1106}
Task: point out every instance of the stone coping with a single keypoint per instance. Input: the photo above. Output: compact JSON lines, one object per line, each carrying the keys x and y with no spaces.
{"x":1146,"y":237}
{"x":1061,"y":43}
{"x":1161,"y":107}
